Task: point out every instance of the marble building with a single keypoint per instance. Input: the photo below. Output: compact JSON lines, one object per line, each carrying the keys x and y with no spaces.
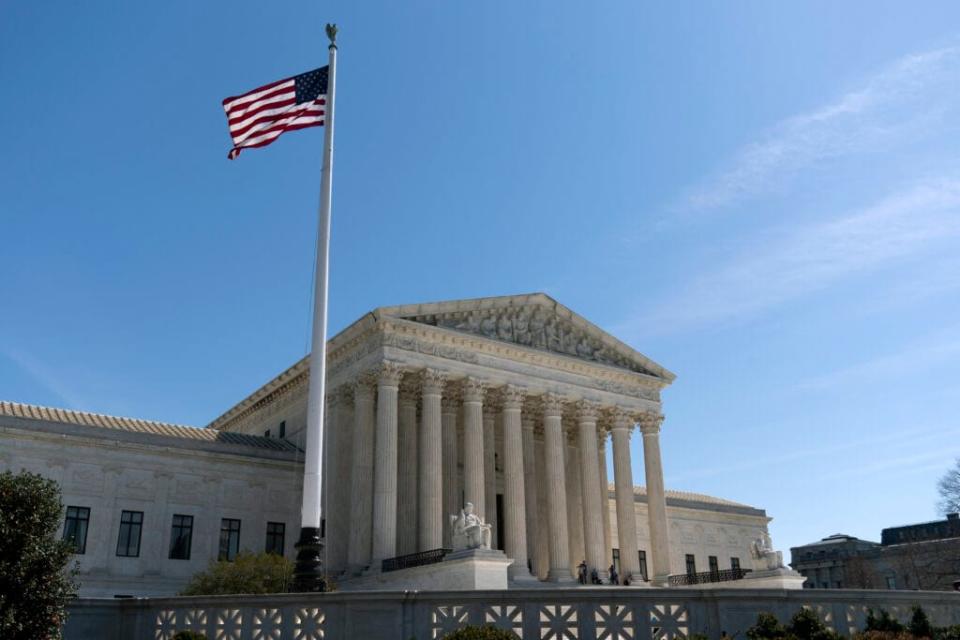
{"x":511,"y":403}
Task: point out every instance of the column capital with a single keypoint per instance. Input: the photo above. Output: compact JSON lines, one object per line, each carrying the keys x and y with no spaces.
{"x":650,"y":423}
{"x":364,"y":385}
{"x":432,"y":381}
{"x":623,"y":419}
{"x":553,"y":404}
{"x":587,"y":411}
{"x":513,"y":396}
{"x":450,"y":402}
{"x":473,"y":389}
{"x":389,"y":373}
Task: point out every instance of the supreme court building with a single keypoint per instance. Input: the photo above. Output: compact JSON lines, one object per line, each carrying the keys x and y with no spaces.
{"x":510,"y":403}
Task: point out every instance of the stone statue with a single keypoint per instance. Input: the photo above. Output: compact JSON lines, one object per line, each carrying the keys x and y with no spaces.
{"x":764,"y":553}
{"x":469,"y":530}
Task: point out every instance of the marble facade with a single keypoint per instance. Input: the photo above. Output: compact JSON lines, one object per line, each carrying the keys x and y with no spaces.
{"x":511,"y":403}
{"x":448,"y":403}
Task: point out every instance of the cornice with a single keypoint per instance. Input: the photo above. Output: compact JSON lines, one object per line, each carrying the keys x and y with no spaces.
{"x":447,"y":343}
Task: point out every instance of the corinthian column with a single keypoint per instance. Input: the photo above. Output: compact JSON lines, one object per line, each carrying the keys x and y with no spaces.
{"x":385,"y":465}
{"x":626,"y":513}
{"x":490,"y":471}
{"x":590,"y":487}
{"x":339,"y":480}
{"x":656,"y":498}
{"x":554,"y":444}
{"x":451,"y":482}
{"x":473,"y":488}
{"x":361,"y":475}
{"x":514,"y":512}
{"x":407,"y":468}
{"x":530,"y":484}
{"x":604,"y":496}
{"x":431,"y":463}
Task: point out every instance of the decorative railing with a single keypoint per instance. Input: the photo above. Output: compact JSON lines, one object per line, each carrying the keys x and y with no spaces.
{"x":532,"y":614}
{"x":418,"y":559}
{"x":704,"y":577}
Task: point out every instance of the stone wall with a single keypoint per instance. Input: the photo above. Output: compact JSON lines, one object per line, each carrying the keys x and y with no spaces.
{"x":563,"y":614}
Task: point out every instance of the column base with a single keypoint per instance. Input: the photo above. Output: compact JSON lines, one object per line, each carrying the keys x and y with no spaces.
{"x":308,"y":571}
{"x":520,"y":573}
{"x":660,"y":581}
{"x":560,"y":576}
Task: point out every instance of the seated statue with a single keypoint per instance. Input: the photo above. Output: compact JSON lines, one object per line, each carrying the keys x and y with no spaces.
{"x":762,"y":550}
{"x":469,"y":530}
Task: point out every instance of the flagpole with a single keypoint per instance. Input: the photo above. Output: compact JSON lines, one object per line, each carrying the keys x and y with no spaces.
{"x":309,"y":573}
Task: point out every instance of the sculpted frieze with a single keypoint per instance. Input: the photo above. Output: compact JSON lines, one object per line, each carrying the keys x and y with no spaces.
{"x":533,"y":327}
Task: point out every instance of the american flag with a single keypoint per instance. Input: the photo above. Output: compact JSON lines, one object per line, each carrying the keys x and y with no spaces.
{"x":258,"y":117}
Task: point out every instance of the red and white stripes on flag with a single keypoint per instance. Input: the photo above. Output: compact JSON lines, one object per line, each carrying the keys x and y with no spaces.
{"x":259,"y":117}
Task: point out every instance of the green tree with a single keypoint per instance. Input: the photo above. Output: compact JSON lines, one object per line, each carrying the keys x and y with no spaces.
{"x":34,"y":581}
{"x":883,"y":622}
{"x":919,"y":624}
{"x":766,"y":628}
{"x":249,"y":573}
{"x":806,"y":625}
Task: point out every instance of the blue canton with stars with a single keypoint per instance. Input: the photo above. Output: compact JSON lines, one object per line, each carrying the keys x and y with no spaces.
{"x":311,"y":85}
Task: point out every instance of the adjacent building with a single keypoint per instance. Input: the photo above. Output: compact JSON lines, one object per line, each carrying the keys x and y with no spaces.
{"x":510,"y":403}
{"x":922,"y":556}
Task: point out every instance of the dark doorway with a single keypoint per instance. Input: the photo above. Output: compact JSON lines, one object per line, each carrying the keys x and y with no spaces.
{"x":498,"y":543}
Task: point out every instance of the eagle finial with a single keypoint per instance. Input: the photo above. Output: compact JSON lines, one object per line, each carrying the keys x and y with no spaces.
{"x":332,"y":33}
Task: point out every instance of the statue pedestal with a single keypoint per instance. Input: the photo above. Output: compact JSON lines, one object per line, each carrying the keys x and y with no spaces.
{"x":782,"y":578}
{"x":466,"y":570}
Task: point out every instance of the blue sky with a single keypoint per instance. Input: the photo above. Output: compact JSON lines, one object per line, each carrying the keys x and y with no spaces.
{"x":763,"y":197}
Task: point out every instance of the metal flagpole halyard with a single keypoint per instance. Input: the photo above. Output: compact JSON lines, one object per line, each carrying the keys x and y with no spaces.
{"x":308,"y":574}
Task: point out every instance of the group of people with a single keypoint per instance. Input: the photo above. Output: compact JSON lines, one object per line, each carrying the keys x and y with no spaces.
{"x":595,"y":577}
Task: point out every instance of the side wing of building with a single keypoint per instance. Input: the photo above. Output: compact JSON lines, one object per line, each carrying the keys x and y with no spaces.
{"x":150,"y":504}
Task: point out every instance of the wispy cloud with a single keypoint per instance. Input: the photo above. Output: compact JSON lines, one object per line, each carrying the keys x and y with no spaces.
{"x":908,"y":99}
{"x":792,"y":263}
{"x":890,"y":441}
{"x":46,"y":377}
{"x":933,"y":351}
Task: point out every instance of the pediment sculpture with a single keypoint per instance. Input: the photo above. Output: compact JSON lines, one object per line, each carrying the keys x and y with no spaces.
{"x":534,"y":327}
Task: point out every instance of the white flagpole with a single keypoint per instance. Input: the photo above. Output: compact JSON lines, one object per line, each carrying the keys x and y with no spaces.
{"x":309,"y":567}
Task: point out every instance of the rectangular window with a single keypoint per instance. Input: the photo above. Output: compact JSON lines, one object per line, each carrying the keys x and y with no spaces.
{"x":734,"y":563}
{"x":229,"y":539}
{"x":616,"y":560}
{"x":75,"y":528}
{"x":891,"y":582}
{"x":275,"y":534}
{"x":181,"y":536}
{"x":643,"y":564}
{"x":128,"y":542}
{"x":266,"y":434}
{"x":691,"y":564}
{"x":714,"y":565}
{"x":283,"y":429}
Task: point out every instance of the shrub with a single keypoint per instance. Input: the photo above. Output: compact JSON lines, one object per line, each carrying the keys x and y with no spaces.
{"x":766,"y":628}
{"x":486,"y":632}
{"x":189,"y":635}
{"x":34,"y":582}
{"x":919,"y":624}
{"x":806,"y":625}
{"x":885,"y":622}
{"x":249,"y":573}
{"x":947,"y":633}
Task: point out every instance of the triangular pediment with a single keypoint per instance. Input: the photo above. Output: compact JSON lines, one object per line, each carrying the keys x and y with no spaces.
{"x":536,"y":321}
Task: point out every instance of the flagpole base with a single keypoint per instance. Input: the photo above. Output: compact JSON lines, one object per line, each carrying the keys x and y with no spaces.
{"x":308,"y":571}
